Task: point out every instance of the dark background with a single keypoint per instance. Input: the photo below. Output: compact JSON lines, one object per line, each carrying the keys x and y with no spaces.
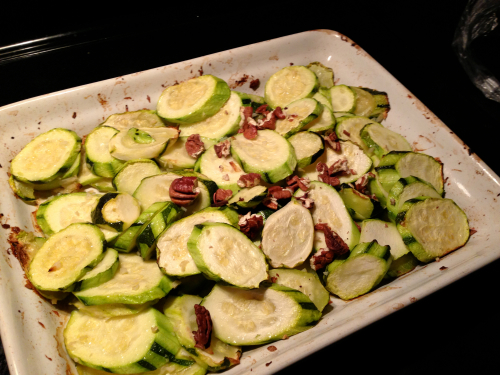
{"x":412,"y":40}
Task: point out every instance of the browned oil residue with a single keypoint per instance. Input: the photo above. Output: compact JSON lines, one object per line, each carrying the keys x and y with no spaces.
{"x":56,"y":313}
{"x":397,"y":306}
{"x":127,"y":98}
{"x":254,"y":85}
{"x":103,"y":101}
{"x":17,"y":248}
{"x":148,"y":98}
{"x":413,"y":299}
{"x":74,"y":115}
{"x":272,"y":348}
{"x":240,"y":82}
{"x":50,"y":359}
{"x":41,"y":324}
{"x":5,"y":226}
{"x":274,"y":57}
{"x":200,"y":70}
{"x":443,"y":268}
{"x":267,"y":364}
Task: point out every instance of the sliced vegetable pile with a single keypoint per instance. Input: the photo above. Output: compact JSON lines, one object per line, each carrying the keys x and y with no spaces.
{"x":236,"y":215}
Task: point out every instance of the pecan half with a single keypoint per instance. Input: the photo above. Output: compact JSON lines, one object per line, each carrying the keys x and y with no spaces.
{"x":223,"y":149}
{"x":183,"y":191}
{"x":251,"y":225}
{"x":194,"y":146}
{"x":221,"y":197}
{"x":333,"y":241}
{"x":321,"y":259}
{"x":296,"y":182}
{"x":332,"y":141}
{"x":249,"y":180}
{"x":203,"y":335}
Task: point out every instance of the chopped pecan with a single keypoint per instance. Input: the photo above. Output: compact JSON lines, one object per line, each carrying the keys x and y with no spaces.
{"x":306,"y":201}
{"x":251,"y":225}
{"x":268,"y":123}
{"x":279,"y":193}
{"x":271,"y":203}
{"x":332,"y":141}
{"x":235,"y":166}
{"x":333,"y":241}
{"x":346,"y":133}
{"x":262,"y":109}
{"x":183,"y":191}
{"x":362,"y":182}
{"x":250,"y":132}
{"x":393,"y":202}
{"x":247,"y":123}
{"x":249,"y":180}
{"x":338,"y":166}
{"x":272,"y":348}
{"x":221,"y":197}
{"x":274,"y":279}
{"x":203,"y":335}
{"x":321,"y":259}
{"x":225,"y":177}
{"x":298,"y":182}
{"x":330,"y":180}
{"x":223,"y":149}
{"x":194,"y":146}
{"x":279,"y":113}
{"x":326,"y":174}
{"x":472,"y":231}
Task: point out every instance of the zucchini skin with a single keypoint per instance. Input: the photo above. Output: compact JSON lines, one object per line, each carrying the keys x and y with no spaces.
{"x":97,"y":217}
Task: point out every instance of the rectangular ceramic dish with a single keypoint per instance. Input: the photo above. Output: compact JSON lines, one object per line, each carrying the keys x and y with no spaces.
{"x":31,"y":328}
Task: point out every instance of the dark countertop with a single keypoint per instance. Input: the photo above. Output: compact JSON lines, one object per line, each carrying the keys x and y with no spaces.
{"x":413,"y":42}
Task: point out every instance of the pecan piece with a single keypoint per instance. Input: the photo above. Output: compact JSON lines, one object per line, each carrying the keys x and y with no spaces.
{"x":183,"y":191}
{"x":203,"y":335}
{"x":306,"y":201}
{"x":330,"y":180}
{"x":250,"y":132}
{"x":251,"y":225}
{"x":279,"y":193}
{"x":194,"y":146}
{"x":223,"y":149}
{"x":262,"y":109}
{"x":279,"y":113}
{"x":268,"y":123}
{"x":249,"y":180}
{"x":338,"y":166}
{"x":271,"y":203}
{"x":333,"y":241}
{"x":221,"y":197}
{"x":332,"y":141}
{"x":296,"y":182}
{"x":362,"y":182}
{"x":321,"y":259}
{"x":254,"y":84}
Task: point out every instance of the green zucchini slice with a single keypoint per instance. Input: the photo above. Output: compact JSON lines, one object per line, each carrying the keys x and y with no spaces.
{"x":173,"y":255}
{"x":363,"y":270}
{"x":126,"y":242}
{"x":225,"y":171}
{"x":180,"y":312}
{"x":97,"y":152}
{"x":405,"y":189}
{"x":288,"y":236}
{"x":101,"y":273}
{"x":329,"y":208}
{"x":343,"y":98}
{"x":176,"y":157}
{"x":381,"y":140}
{"x":349,"y":128}
{"x":325,"y":121}
{"x":308,"y":147}
{"x":47,"y":157}
{"x":432,"y":227}
{"x":224,"y":123}
{"x":143,"y":118}
{"x":249,"y":197}
{"x":222,"y":252}
{"x":22,"y":190}
{"x":360,"y":206}
{"x":146,"y":238}
{"x":396,"y":165}
{"x":137,"y":143}
{"x":113,"y":309}
{"x":66,"y":256}
{"x":136,"y":281}
{"x":116,"y":211}
{"x":325,"y":75}
{"x":193,"y":100}
{"x":65,"y":209}
{"x":290,"y":84}
{"x":365,"y":102}
{"x":269,"y":154}
{"x":259,"y":316}
{"x":115,"y":345}
{"x":384,"y":233}
{"x":170,"y":368}
{"x":305,"y":282}
{"x":132,"y":173}
{"x":357,"y":161}
{"x":323,"y":99}
{"x":298,"y":114}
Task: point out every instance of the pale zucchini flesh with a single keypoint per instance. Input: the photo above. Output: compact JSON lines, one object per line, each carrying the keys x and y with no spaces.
{"x":97,"y":152}
{"x":66,"y":256}
{"x":222,"y":252}
{"x":101,"y":273}
{"x":381,"y":140}
{"x":224,"y":123}
{"x":343,"y":98}
{"x":308,"y":148}
{"x":47,"y":157}
{"x":329,"y":208}
{"x":349,"y":128}
{"x":176,"y":157}
{"x":173,"y":255}
{"x":136,"y":281}
{"x":298,"y":114}
{"x":258,"y":316}
{"x":193,"y":100}
{"x":288,"y":236}
{"x":384,"y":233}
{"x":270,"y":155}
{"x":325,"y":75}
{"x":290,"y":84}
{"x":132,"y":173}
{"x":365,"y":102}
{"x":116,"y":211}
{"x":135,"y":119}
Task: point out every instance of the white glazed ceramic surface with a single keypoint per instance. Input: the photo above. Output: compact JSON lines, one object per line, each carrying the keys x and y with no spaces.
{"x":32,"y":328}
